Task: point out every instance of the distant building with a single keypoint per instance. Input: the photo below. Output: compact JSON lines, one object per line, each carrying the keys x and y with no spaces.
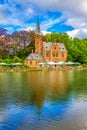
{"x":46,"y":51}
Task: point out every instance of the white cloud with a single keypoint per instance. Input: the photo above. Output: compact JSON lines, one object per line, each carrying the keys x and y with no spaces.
{"x":6,"y":16}
{"x":29,"y":11}
{"x":31,"y":28}
{"x":72,"y":33}
{"x":73,"y":11}
{"x":45,"y":25}
{"x":80,"y":33}
{"x":75,"y":7}
{"x":44,"y":32}
{"x":11,"y":14}
{"x":76,"y":23}
{"x":28,"y":28}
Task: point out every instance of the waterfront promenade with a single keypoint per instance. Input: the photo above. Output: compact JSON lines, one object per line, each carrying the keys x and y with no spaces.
{"x":42,"y":69}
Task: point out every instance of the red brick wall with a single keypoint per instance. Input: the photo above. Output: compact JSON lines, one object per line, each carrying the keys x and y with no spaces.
{"x":32,"y":63}
{"x":62,"y":56}
{"x":38,"y":44}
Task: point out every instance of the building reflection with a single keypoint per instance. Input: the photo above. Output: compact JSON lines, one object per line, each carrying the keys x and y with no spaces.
{"x":34,"y":88}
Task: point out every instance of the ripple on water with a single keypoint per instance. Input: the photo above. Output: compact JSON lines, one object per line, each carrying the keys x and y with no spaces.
{"x":54,"y":100}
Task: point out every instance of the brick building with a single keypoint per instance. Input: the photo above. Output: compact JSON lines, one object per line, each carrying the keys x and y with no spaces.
{"x":46,"y":52}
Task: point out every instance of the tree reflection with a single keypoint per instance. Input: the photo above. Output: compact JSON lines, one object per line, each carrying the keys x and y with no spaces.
{"x":34,"y":88}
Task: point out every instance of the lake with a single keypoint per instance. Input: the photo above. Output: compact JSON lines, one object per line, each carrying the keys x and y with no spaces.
{"x":43,"y":100}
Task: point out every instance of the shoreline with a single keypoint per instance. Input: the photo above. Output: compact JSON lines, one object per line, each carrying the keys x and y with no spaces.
{"x":41,"y":69}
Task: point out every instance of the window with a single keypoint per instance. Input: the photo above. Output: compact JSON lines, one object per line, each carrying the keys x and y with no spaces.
{"x":37,"y":56}
{"x":62,"y":54}
{"x":30,"y":62}
{"x":56,"y":54}
{"x":53,"y":54}
{"x":47,"y":54}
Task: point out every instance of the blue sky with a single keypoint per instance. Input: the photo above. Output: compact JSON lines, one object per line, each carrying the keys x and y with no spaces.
{"x":54,"y":16}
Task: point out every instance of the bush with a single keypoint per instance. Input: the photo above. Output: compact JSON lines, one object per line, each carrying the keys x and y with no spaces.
{"x":84,"y":65}
{"x":17,"y":59}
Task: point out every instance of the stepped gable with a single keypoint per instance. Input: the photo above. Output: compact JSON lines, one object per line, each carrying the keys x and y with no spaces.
{"x":48,"y":45}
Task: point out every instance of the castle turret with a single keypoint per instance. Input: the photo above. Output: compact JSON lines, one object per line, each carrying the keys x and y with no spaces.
{"x":38,"y":39}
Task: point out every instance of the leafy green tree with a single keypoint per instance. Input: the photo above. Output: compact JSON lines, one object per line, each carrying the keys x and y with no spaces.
{"x":17,"y":59}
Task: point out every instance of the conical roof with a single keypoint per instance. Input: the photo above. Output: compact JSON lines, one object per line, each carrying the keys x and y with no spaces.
{"x":38,"y":28}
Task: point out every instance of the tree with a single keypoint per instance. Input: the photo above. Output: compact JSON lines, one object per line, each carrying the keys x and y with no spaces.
{"x":2,"y":31}
{"x":24,"y":43}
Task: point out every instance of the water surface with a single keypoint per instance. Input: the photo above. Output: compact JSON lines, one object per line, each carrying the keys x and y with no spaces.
{"x":43,"y":100}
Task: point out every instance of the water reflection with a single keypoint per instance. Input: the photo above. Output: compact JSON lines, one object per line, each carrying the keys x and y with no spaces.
{"x":38,"y":100}
{"x":33,"y":88}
